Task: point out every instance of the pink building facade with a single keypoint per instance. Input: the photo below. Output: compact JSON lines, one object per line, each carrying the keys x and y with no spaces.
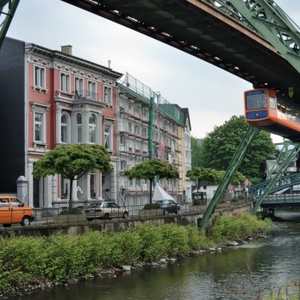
{"x":67,"y":100}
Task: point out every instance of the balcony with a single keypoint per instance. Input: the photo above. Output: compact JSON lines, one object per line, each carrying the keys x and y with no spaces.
{"x":85,"y":95}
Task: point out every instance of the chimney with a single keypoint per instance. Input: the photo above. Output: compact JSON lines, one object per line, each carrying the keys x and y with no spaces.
{"x":67,"y":49}
{"x":109,"y":63}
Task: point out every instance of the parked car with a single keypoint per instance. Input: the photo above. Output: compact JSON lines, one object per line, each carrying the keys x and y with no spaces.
{"x":169,"y":206}
{"x":105,"y":210}
{"x":14,"y":211}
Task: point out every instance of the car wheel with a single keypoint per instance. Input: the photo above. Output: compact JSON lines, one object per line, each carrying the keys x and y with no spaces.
{"x":25,"y":221}
{"x":125,"y":215}
{"x":106,"y":217}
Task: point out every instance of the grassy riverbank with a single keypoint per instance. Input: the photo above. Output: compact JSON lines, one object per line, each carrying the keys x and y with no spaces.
{"x":39,"y":262}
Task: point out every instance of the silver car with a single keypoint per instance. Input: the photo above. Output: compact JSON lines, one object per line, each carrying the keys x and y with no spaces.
{"x":105,"y":210}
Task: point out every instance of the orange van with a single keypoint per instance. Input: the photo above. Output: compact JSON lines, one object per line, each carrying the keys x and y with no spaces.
{"x":14,"y":211}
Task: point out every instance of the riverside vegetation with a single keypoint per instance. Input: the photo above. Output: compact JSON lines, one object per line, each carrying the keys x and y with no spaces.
{"x":39,"y":262}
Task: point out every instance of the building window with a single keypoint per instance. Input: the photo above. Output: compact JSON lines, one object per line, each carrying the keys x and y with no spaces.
{"x":108,"y":95}
{"x":92,"y":90}
{"x":144,"y":132}
{"x":64,"y":128}
{"x":64,"y":188}
{"x":78,"y":87}
{"x":80,"y":188}
{"x":79,"y":128}
{"x":92,"y":128}
{"x":93,"y":186}
{"x":122,"y":139}
{"x":39,"y":127}
{"x":65,"y":82}
{"x":144,"y":111}
{"x":123,"y":165}
{"x":39,"y":77}
{"x":107,"y":137}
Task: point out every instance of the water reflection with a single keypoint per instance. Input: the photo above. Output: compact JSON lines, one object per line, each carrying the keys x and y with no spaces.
{"x":235,"y":273}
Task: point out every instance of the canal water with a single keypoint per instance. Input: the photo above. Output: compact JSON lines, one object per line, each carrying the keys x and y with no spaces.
{"x":239,"y":273}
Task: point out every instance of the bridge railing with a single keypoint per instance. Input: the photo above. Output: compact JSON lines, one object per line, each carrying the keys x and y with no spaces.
{"x":285,"y":181}
{"x":277,"y":199}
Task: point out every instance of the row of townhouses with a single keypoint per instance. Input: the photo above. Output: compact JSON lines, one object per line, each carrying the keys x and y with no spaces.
{"x":51,"y":98}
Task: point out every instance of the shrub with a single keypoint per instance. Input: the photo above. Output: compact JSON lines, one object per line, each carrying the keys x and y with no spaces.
{"x":21,"y":260}
{"x":151,"y":206}
{"x":129,"y":242}
{"x":72,"y":211}
{"x":152,"y":246}
{"x":59,"y":258}
{"x":62,"y":257}
{"x":194,"y":241}
{"x":237,"y":227}
{"x":175,"y":239}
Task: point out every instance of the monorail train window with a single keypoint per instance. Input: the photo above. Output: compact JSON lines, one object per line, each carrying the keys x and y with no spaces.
{"x":256,"y":99}
{"x":272,"y":102}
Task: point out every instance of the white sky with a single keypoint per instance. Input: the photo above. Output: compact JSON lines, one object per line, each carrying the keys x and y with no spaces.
{"x":211,"y":94}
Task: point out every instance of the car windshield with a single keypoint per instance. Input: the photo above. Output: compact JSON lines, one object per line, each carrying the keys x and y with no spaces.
{"x":95,"y":205}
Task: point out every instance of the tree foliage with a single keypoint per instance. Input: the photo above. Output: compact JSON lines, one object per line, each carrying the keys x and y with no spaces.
{"x":205,"y":176}
{"x":151,"y":169}
{"x":72,"y":162}
{"x":196,"y":152}
{"x":219,"y":146}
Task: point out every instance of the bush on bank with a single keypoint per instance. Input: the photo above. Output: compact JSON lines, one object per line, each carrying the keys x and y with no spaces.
{"x":59,"y":258}
{"x":239,"y":226}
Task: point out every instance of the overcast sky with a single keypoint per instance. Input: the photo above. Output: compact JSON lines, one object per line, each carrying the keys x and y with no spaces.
{"x":211,"y":94}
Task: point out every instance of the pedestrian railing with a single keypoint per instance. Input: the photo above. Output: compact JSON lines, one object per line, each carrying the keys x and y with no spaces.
{"x":46,"y":216}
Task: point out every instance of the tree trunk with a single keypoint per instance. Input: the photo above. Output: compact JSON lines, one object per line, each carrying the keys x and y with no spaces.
{"x":151,"y":181}
{"x":71,"y":193}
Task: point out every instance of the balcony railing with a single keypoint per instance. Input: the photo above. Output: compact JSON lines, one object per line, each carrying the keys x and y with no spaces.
{"x":85,"y":95}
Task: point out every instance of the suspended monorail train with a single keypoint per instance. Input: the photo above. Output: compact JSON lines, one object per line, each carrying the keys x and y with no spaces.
{"x":266,"y":109}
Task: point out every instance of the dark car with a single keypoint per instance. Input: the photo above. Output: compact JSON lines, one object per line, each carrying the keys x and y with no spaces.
{"x":169,"y":206}
{"x":105,"y":210}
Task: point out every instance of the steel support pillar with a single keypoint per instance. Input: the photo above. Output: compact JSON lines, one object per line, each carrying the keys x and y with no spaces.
{"x":8,"y":8}
{"x":232,"y":167}
{"x":288,"y":159}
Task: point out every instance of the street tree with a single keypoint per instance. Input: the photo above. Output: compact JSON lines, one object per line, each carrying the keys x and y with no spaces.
{"x":72,"y":162}
{"x":206,"y":176}
{"x":151,"y":169}
{"x":219,"y":146}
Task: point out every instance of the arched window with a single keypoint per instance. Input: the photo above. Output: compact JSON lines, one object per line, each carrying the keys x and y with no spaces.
{"x":92,"y":128}
{"x":64,"y":128}
{"x":79,"y":128}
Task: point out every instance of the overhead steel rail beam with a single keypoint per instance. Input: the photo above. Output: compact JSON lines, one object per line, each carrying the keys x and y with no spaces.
{"x":274,"y":25}
{"x":214,"y":32}
{"x":8,"y":8}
